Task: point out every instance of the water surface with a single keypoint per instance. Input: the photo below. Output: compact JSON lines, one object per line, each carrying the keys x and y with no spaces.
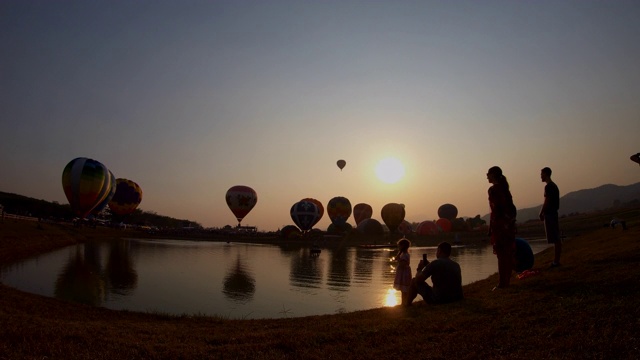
{"x":232,"y":280}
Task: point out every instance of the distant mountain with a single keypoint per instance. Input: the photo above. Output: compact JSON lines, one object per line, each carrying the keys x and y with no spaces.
{"x":587,"y":200}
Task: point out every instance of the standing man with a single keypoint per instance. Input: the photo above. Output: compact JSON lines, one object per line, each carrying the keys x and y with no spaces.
{"x":549,"y":214}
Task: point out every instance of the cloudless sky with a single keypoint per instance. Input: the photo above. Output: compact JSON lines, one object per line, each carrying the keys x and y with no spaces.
{"x":188,"y":98}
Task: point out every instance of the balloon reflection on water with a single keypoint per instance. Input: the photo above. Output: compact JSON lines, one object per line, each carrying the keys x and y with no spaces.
{"x":239,"y":286}
{"x":83,"y":278}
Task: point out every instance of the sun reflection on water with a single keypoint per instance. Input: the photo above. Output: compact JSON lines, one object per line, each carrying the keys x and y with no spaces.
{"x":391,"y":299}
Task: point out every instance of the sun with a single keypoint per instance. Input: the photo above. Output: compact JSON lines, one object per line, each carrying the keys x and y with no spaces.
{"x":390,"y":170}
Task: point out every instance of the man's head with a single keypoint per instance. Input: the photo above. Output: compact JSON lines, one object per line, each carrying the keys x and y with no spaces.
{"x":545,"y":174}
{"x":444,"y":250}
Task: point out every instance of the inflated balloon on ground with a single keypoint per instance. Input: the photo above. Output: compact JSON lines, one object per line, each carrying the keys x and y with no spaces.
{"x":370,"y":227}
{"x":304,"y":214}
{"x":444,"y":224}
{"x":318,"y":205}
{"x":405,"y":228}
{"x":392,"y":215}
{"x":127,"y":197}
{"x":339,"y":210}
{"x":361,"y":212}
{"x":112,"y":191}
{"x":427,"y":228}
{"x":448,"y":211}
{"x":86,"y":184}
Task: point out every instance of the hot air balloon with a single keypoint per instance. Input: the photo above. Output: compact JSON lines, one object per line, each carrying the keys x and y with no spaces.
{"x":405,"y":227}
{"x":289,"y":231}
{"x":448,"y":211}
{"x":339,"y":229}
{"x":127,"y":197}
{"x":370,"y":227}
{"x":427,"y":228}
{"x":392,"y":215}
{"x":361,"y":212}
{"x":320,"y":208}
{"x":241,"y":199}
{"x":304,"y":214}
{"x":444,"y":224}
{"x":86,"y":184}
{"x":112,"y":191}
{"x":339,"y":210}
{"x":341,"y":164}
{"x":635,"y":158}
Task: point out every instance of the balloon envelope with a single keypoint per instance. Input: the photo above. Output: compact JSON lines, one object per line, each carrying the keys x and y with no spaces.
{"x":319,"y":206}
{"x":635,"y":158}
{"x":341,"y":164}
{"x":339,"y":210}
{"x":111,"y":193}
{"x":444,"y":224}
{"x":448,"y":211}
{"x":289,"y":231}
{"x":241,"y":199}
{"x":392,"y":215}
{"x":127,"y":197}
{"x":86,"y":184}
{"x":524,"y":255}
{"x":304,"y":214}
{"x":361,"y":212}
{"x":371,"y":227}
{"x":405,"y":228}
{"x":427,"y":228}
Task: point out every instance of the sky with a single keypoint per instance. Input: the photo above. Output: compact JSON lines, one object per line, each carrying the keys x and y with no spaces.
{"x":189,"y":98}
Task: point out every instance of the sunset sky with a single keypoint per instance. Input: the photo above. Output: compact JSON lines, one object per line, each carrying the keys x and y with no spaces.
{"x":189,"y":98}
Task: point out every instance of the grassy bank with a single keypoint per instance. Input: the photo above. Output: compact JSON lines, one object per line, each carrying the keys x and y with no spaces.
{"x":587,"y":309}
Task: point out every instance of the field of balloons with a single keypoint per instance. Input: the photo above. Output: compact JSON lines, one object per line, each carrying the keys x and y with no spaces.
{"x":90,"y":187}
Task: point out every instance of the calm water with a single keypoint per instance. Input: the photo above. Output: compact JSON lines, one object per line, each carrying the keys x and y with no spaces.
{"x":233,"y":280}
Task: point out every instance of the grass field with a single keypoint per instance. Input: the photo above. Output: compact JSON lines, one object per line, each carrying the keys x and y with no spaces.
{"x":587,"y":309}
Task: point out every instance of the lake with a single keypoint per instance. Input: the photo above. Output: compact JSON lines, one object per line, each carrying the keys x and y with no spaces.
{"x":230,"y":280}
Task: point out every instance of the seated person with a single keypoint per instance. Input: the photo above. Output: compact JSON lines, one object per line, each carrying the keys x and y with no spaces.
{"x":446,"y":277}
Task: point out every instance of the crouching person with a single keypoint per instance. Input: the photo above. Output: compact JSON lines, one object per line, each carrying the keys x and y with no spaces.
{"x":445,"y":275}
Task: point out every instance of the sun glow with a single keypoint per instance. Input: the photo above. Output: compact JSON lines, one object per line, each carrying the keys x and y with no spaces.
{"x":391,"y":298}
{"x":390,"y":170}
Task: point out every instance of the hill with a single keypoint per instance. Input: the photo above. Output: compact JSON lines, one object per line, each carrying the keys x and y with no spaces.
{"x":587,"y":200}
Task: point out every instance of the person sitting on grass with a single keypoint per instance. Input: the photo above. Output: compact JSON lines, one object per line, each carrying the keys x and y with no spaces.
{"x":446,"y":277}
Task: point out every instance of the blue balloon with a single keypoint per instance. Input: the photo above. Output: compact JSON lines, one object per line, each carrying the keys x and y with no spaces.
{"x":524,"y":255}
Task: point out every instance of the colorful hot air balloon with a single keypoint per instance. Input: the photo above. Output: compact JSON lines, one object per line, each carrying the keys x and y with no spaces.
{"x":127,"y":197}
{"x":392,"y":215}
{"x":304,"y":214}
{"x":448,"y":211}
{"x":361,"y":212}
{"x":320,"y":208}
{"x":341,"y":164}
{"x":241,"y":199}
{"x":427,"y":228}
{"x":86,"y":183}
{"x":111,"y":193}
{"x":339,"y":210}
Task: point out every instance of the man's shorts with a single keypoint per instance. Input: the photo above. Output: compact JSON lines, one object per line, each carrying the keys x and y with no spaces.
{"x":552,"y":228}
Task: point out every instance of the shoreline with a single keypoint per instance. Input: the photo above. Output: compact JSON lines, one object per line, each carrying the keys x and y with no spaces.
{"x":556,"y":314}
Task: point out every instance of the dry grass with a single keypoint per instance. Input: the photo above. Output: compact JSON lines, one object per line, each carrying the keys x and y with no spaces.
{"x":587,"y":309}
